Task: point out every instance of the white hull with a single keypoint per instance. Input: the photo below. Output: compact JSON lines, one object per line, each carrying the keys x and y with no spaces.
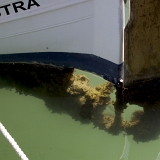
{"x":72,"y":26}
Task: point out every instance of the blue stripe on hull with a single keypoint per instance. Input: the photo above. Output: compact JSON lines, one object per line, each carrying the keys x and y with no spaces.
{"x":91,"y":63}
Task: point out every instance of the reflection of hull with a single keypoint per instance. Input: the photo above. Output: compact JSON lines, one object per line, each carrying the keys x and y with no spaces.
{"x":85,"y":34}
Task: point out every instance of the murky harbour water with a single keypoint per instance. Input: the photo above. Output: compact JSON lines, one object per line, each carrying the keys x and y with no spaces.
{"x":45,"y":133}
{"x":50,"y":127}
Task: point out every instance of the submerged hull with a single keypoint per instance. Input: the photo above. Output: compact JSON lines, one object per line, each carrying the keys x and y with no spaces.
{"x":85,"y":34}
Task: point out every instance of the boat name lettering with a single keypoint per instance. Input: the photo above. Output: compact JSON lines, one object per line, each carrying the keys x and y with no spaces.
{"x":18,"y":6}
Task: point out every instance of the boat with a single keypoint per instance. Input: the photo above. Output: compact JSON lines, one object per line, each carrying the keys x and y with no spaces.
{"x":84,"y":34}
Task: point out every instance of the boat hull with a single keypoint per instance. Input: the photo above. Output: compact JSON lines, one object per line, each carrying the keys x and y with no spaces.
{"x":86,"y":31}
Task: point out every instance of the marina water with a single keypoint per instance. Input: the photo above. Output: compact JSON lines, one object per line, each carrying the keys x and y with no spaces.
{"x":44,"y":134}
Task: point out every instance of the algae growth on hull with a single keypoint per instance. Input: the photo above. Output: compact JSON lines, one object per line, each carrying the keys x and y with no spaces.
{"x":76,"y":122}
{"x":84,"y":102}
{"x":81,"y":101}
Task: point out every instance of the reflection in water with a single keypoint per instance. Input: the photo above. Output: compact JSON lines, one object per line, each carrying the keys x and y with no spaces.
{"x":158,"y":157}
{"x":144,"y":125}
{"x":125,"y":153}
{"x":75,"y":97}
{"x":72,"y":93}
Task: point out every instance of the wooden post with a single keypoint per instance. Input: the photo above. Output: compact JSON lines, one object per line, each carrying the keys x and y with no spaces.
{"x":142,"y":42}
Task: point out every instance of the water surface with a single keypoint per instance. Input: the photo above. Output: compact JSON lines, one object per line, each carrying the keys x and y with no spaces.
{"x":44,"y":134}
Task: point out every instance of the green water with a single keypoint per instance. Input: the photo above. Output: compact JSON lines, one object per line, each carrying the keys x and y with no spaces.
{"x":46,"y":135}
